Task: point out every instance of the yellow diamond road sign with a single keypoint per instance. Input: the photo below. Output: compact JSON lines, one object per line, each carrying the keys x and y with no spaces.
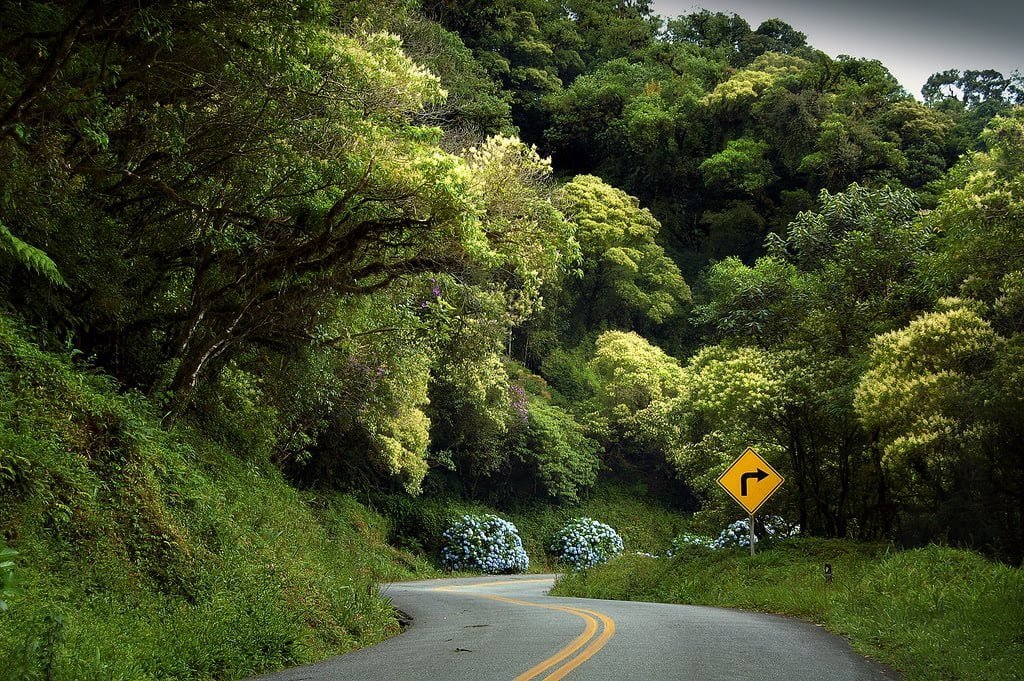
{"x":750,"y":480}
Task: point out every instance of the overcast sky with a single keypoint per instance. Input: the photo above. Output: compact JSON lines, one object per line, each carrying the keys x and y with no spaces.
{"x":913,"y":39}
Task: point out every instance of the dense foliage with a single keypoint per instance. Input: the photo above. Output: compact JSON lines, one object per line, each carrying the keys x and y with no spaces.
{"x":498,"y":251}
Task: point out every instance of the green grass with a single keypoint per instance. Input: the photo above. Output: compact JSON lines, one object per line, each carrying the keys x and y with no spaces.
{"x":933,"y":613}
{"x":146,"y":554}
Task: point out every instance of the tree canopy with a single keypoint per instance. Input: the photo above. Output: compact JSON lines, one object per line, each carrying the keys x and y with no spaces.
{"x":502,"y":249}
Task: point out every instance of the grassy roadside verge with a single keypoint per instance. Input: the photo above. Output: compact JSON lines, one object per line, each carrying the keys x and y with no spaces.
{"x":147,"y":554}
{"x":933,"y":613}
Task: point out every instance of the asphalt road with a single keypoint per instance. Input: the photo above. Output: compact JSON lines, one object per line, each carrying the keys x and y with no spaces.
{"x":508,"y":629}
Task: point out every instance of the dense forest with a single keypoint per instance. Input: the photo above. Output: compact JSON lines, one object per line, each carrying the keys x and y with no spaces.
{"x":502,"y":250}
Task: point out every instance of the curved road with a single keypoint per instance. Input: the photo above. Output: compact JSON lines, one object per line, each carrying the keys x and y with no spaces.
{"x":508,"y":629}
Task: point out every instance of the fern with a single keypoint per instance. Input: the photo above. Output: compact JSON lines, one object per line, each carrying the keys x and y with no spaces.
{"x":29,"y":256}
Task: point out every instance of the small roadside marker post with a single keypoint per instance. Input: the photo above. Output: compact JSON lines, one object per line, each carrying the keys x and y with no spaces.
{"x":750,"y":480}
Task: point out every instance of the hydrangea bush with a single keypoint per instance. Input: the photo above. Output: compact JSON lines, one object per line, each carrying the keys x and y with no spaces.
{"x":484,"y":542}
{"x":685,"y":539}
{"x":738,"y":533}
{"x":584,"y":542}
{"x":776,"y":527}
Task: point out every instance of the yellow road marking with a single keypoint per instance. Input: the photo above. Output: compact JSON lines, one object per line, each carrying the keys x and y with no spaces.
{"x":588,"y":633}
{"x":591,"y":650}
{"x":589,"y":617}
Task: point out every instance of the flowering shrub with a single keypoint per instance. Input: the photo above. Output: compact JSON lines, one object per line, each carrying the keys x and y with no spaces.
{"x":484,"y":542}
{"x":688,"y":539}
{"x":520,"y":403}
{"x":738,"y":533}
{"x":777,"y":527}
{"x":583,"y":543}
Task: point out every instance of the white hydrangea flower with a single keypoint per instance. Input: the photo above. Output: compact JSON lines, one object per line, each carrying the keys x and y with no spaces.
{"x":486,"y":543}
{"x":585,"y":542}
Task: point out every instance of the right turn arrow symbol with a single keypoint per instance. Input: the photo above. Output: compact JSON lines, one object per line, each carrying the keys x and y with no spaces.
{"x":759,"y":476}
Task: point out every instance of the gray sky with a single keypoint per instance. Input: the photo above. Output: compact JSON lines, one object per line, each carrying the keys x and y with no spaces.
{"x":913,"y":39}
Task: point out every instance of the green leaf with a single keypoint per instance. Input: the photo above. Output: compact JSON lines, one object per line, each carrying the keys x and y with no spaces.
{"x":29,"y":256}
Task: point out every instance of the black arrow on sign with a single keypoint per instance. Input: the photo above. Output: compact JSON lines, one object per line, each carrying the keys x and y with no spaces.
{"x":759,"y":476}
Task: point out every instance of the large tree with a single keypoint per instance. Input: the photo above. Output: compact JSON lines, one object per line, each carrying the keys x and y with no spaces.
{"x":235,"y":166}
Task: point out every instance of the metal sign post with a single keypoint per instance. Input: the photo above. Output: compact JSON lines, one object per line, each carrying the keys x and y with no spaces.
{"x":752,"y":552}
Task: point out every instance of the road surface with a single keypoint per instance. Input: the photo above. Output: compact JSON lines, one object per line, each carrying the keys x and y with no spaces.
{"x":508,"y":629}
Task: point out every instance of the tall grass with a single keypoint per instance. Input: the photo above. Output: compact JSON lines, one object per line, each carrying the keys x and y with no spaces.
{"x":934,"y":613}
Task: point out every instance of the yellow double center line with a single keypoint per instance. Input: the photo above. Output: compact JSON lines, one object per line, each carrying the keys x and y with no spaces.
{"x":596,"y":632}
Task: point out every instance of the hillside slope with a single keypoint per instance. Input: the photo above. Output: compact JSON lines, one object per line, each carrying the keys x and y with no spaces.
{"x":147,"y":554}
